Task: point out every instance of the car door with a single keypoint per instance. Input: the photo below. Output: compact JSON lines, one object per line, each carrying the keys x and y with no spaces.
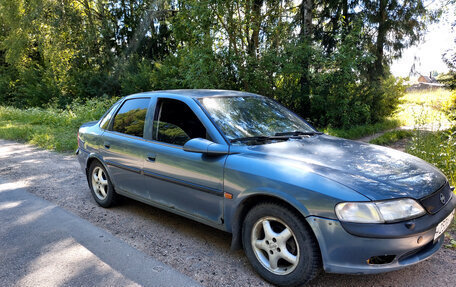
{"x":191,"y":183}
{"x":124,"y":147}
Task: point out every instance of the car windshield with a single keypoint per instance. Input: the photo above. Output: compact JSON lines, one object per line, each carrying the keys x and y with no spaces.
{"x":252,"y":116}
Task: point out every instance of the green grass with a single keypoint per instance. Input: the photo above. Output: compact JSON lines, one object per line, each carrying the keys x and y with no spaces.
{"x":391,"y":137}
{"x":357,"y":132}
{"x":437,"y":148}
{"x":426,"y":107}
{"x":50,"y":128}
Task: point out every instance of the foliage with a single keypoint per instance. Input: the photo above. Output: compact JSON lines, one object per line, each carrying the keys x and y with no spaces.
{"x":320,"y":58}
{"x":437,"y":148}
{"x":359,"y":131}
{"x":50,"y":128}
{"x":341,"y":97}
{"x":430,"y":108}
{"x":452,"y":242}
{"x":391,"y":137}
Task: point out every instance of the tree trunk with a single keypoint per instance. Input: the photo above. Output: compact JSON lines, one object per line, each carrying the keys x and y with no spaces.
{"x":381,"y":38}
{"x":305,"y":11}
{"x":253,"y":43}
{"x":345,"y":13}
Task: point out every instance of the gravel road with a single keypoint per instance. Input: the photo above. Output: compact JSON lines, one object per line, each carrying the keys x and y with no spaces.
{"x":196,"y":250}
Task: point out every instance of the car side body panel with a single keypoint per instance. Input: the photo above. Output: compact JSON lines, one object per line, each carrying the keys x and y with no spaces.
{"x":306,"y":193}
{"x":189,"y":182}
{"x":124,"y":156}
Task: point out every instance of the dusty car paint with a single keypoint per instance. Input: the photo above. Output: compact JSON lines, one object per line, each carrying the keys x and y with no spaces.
{"x":311,"y":174}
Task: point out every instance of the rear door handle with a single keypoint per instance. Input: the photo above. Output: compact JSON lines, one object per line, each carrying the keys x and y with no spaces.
{"x":107,"y":145}
{"x":151,"y":157}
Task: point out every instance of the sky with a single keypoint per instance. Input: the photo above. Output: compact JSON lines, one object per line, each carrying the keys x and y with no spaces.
{"x":428,"y":53}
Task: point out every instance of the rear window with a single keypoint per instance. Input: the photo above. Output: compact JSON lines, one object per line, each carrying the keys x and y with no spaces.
{"x":104,"y":123}
{"x":131,"y":116}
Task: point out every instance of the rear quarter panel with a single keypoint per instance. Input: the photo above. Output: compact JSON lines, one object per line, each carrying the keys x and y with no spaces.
{"x":90,"y":141}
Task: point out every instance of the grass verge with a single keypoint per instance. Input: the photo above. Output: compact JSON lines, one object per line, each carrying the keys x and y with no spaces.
{"x":50,"y":128}
{"x":437,"y":148}
{"x":426,"y":108}
{"x":360,"y":131}
{"x":392,"y":137}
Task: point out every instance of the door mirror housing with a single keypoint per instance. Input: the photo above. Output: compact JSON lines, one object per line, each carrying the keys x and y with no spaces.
{"x":200,"y":145}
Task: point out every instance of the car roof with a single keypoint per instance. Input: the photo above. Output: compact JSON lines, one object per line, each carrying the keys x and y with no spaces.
{"x":197,"y":93}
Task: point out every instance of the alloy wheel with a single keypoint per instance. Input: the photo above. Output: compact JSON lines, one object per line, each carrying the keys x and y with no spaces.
{"x":99,"y":183}
{"x":275,"y":245}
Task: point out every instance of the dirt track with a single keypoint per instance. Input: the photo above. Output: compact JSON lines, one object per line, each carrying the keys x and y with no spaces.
{"x":196,"y":250}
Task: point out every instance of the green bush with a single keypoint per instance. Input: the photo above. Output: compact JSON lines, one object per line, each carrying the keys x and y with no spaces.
{"x":138,"y":77}
{"x":391,"y":137}
{"x":359,"y":131}
{"x":437,"y":148}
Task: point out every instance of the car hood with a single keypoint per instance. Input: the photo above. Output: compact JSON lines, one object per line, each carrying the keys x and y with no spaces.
{"x":374,"y":171}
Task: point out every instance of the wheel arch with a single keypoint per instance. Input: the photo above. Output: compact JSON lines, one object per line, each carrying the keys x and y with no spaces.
{"x":249,"y":202}
{"x":91,"y":158}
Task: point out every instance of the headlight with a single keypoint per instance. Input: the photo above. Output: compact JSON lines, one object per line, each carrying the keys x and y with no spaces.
{"x":380,"y":211}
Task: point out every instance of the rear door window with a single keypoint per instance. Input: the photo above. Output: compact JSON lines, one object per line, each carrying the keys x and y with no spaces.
{"x":131,"y":117}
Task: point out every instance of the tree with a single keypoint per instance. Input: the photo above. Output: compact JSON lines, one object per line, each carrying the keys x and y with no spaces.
{"x":394,"y":25}
{"x":328,"y":60}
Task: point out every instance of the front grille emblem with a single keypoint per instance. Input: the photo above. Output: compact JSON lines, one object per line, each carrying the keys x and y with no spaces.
{"x":442,"y":198}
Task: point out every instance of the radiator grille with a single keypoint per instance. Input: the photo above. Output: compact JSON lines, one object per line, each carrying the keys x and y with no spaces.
{"x":434,"y":202}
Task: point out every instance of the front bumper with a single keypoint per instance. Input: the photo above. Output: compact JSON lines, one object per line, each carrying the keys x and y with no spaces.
{"x":346,"y":253}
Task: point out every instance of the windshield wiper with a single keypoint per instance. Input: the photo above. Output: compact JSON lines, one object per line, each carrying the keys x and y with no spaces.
{"x":277,"y":136}
{"x":244,"y":139}
{"x":261,"y":138}
{"x":299,"y":133}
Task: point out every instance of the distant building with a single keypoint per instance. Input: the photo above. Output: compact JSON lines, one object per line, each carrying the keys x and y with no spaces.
{"x":425,"y":83}
{"x":426,"y":79}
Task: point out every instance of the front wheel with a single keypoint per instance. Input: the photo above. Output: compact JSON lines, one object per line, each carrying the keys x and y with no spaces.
{"x":280,"y":246}
{"x":101,"y":186}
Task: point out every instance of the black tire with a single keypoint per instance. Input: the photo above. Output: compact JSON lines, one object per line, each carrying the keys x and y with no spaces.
{"x":301,"y":245}
{"x":108,"y":197}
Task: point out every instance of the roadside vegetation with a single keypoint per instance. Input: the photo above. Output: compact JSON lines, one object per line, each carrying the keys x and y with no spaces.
{"x":50,"y":128}
{"x":428,"y":117}
{"x":426,"y":109}
{"x":56,"y":128}
{"x":391,"y":137}
{"x":360,"y":131}
{"x":319,"y":58}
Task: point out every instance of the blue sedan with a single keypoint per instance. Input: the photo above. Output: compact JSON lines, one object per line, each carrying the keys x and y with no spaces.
{"x":295,"y":199}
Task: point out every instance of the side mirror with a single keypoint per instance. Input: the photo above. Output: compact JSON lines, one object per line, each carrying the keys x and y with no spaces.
{"x":204,"y":146}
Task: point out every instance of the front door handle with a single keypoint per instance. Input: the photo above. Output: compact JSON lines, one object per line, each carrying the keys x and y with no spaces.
{"x":151,"y":157}
{"x":107,"y":145}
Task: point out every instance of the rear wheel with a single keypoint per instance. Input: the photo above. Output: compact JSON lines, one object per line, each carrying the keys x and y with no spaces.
{"x":280,"y":246}
{"x":101,"y":186}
